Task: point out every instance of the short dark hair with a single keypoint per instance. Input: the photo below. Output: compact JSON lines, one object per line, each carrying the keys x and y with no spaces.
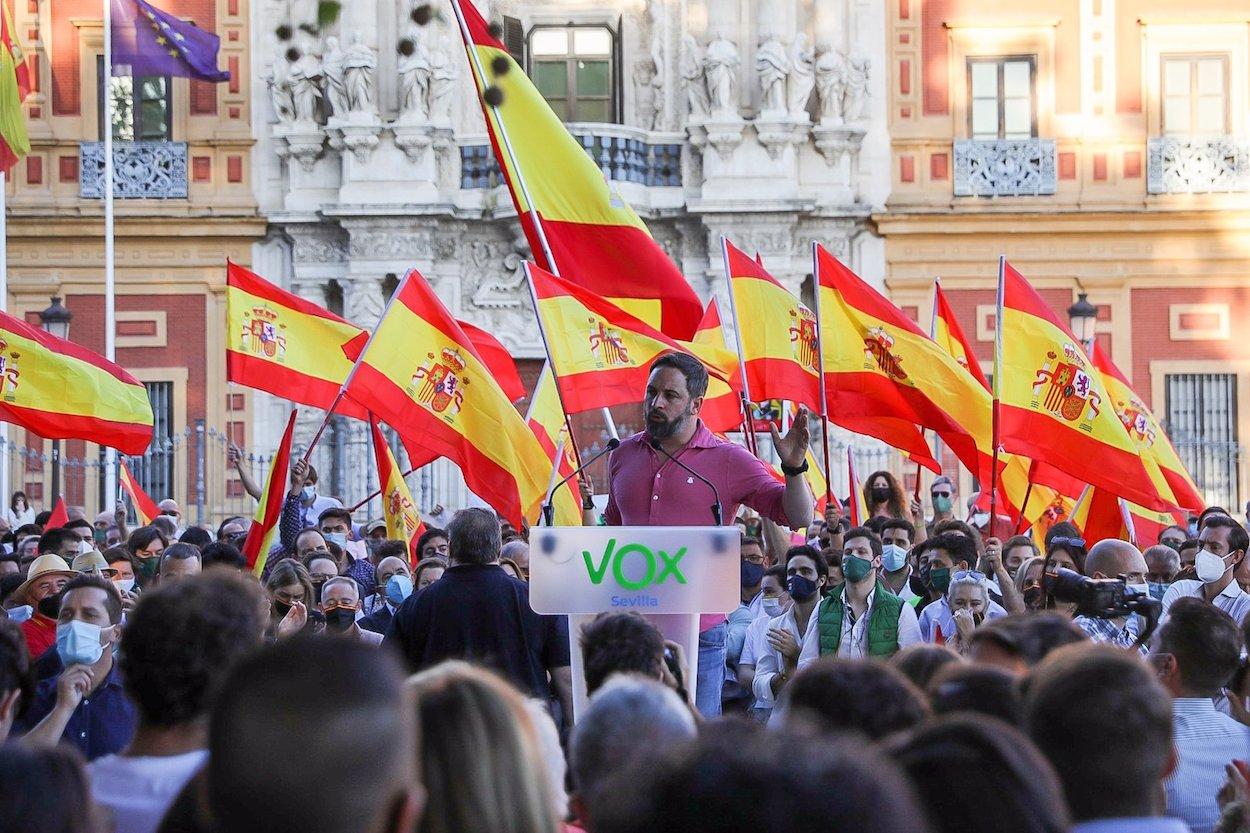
{"x":1205,"y":642}
{"x":181,"y":641}
{"x":1020,"y":541}
{"x":390,"y":548}
{"x":196,"y":537}
{"x":689,"y":367}
{"x":1104,"y":721}
{"x":223,"y":553}
{"x":113,"y":555}
{"x":1238,"y":538}
{"x":143,"y":537}
{"x":1061,"y":529}
{"x":473,"y":537}
{"x":839,"y":694}
{"x":983,"y":689}
{"x":922,"y":661}
{"x":221,"y":527}
{"x":78,"y":523}
{"x":16,"y":671}
{"x":898,"y":523}
{"x":1032,"y":636}
{"x":956,"y":525}
{"x":429,"y":535}
{"x":45,"y":789}
{"x":1210,"y":511}
{"x":740,"y":772}
{"x":112,"y":598}
{"x":52,"y":540}
{"x":750,"y":540}
{"x":335,"y":512}
{"x":777,"y":571}
{"x":180,"y":552}
{"x":874,"y":540}
{"x":351,"y":707}
{"x":619,"y":642}
{"x":1182,"y":530}
{"x":958,"y":547}
{"x":808,"y":551}
{"x":1016,"y":787}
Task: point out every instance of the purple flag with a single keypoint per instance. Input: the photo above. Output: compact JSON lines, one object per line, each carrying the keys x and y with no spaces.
{"x":148,"y":41}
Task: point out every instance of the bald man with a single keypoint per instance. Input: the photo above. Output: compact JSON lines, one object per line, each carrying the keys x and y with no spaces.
{"x":1113,"y":558}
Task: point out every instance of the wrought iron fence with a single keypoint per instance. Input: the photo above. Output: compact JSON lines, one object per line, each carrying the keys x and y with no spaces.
{"x":1215,"y":467}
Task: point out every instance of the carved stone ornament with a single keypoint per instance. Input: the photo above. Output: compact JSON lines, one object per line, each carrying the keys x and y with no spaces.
{"x":509,"y":292}
{"x":302,"y":140}
{"x":834,"y":142}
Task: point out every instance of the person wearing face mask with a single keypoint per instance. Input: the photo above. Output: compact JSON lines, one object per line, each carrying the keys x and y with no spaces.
{"x":394,"y":587}
{"x":335,"y":525}
{"x":340,"y":601}
{"x":860,"y":618}
{"x":47,"y":577}
{"x":942,"y":497}
{"x":1173,"y":536}
{"x":145,"y":546}
{"x":947,"y":555}
{"x":303,"y":502}
{"x":1224,"y":543}
{"x":896,"y":543}
{"x":751,"y":569}
{"x":774,"y":602}
{"x":291,"y":596}
{"x":1029,"y":583}
{"x":884,"y":496}
{"x":321,"y":568}
{"x":969,"y":601}
{"x":806,"y":575}
{"x":1113,"y":558}
{"x":1163,"y":562}
{"x":85,"y":705}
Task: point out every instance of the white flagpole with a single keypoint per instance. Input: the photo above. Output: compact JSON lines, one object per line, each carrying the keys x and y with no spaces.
{"x":110,"y":349}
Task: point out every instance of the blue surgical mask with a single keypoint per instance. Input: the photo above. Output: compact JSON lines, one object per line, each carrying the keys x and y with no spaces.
{"x":78,"y":643}
{"x":1157,"y":589}
{"x":772,"y":607}
{"x":339,"y":538}
{"x":398,"y":588}
{"x":21,"y":613}
{"x":893,"y":557}
{"x":310,"y":492}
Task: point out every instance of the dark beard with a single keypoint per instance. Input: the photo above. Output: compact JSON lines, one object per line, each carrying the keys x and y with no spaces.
{"x":665,"y":430}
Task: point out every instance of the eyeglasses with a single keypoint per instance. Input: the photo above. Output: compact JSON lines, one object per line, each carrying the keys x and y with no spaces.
{"x":939,"y":494}
{"x":1079,"y":543}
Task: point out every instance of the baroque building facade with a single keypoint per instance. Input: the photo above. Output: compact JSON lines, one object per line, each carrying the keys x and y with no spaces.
{"x":760,"y":120}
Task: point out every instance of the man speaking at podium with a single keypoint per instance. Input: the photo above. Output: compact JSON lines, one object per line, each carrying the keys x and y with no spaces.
{"x":648,"y":486}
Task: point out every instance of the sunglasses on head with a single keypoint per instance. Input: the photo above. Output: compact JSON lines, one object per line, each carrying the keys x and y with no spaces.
{"x":975,"y":575}
{"x":1068,"y":542}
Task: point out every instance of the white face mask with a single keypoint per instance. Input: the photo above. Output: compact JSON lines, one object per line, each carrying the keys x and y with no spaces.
{"x":85,"y":547}
{"x":1142,"y":588}
{"x":1209,"y":566}
{"x":124,"y":584}
{"x":772,"y":607}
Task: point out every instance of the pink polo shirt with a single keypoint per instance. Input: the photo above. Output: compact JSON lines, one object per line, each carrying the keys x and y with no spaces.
{"x":646,"y":489}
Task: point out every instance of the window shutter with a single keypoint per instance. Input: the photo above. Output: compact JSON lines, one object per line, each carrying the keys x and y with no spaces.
{"x":514,"y":39}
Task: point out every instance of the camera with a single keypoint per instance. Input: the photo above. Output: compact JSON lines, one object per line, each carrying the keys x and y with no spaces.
{"x":1102,"y":598}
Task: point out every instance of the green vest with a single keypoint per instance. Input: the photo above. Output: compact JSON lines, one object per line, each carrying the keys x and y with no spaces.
{"x":882,"y":622}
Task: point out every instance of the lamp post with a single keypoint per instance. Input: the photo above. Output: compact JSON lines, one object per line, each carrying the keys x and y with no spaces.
{"x":1081,"y":318}
{"x":55,"y":321}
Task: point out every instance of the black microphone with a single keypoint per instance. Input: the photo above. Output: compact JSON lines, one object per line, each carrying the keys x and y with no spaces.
{"x":716,"y":510}
{"x":548,"y":509}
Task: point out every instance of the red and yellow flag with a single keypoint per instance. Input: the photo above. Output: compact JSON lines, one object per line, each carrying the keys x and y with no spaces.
{"x":145,"y":507}
{"x":882,"y":369}
{"x":1053,"y":406}
{"x":600,"y":353}
{"x":777,"y":334}
{"x":15,"y":85}
{"x":1100,"y":514}
{"x":60,"y":390}
{"x":403,"y":521}
{"x":722,"y":406}
{"x":546,"y":420}
{"x":496,"y":357}
{"x":421,"y":375}
{"x":280,"y":343}
{"x":857,"y":506}
{"x":264,"y":529}
{"x":596,"y":239}
{"x":950,"y":336}
{"x":1148,"y":435}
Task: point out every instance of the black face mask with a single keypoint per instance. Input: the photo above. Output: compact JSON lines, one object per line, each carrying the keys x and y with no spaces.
{"x":50,"y":606}
{"x":1031,"y":596}
{"x":880,"y":494}
{"x":340,"y":618}
{"x":281,"y":609}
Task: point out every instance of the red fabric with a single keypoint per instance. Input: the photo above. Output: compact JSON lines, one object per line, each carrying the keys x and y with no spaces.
{"x":497,"y":358}
{"x":59,"y":516}
{"x":40,"y":633}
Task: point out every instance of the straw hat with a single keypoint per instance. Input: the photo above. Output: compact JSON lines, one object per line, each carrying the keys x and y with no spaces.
{"x":48,"y":564}
{"x":91,"y":562}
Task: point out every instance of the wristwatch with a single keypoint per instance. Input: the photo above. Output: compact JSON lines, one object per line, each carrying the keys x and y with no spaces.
{"x":588,"y":503}
{"x":793,"y":471}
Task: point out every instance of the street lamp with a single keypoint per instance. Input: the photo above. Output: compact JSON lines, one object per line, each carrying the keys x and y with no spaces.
{"x":1081,"y":318}
{"x":55,"y":321}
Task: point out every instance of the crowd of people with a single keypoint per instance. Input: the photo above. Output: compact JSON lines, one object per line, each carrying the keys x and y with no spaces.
{"x":909,"y":673}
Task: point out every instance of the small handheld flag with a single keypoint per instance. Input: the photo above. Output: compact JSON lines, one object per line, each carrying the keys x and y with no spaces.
{"x":261,"y":534}
{"x":145,"y":507}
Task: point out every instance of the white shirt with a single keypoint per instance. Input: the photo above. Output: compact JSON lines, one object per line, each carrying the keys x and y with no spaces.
{"x":137,"y":791}
{"x":1232,"y":599}
{"x":939,"y":615}
{"x":320,"y":503}
{"x":755,"y":644}
{"x":854,"y":642}
{"x":770,"y":660}
{"x":1205,"y":741}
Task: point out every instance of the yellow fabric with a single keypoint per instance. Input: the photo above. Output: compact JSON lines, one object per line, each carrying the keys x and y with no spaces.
{"x":546,"y":416}
{"x":307,"y":344}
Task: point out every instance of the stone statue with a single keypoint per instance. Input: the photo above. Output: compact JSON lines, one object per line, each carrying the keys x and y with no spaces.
{"x":303,"y":79}
{"x":855,"y":98}
{"x":442,"y":85}
{"x":772,"y":64}
{"x":802,"y":67}
{"x":280,"y":96}
{"x":655,"y":13}
{"x":359,"y":64}
{"x":830,"y":85}
{"x":720,"y":69}
{"x":645,"y":100}
{"x":415,"y":73}
{"x":332,"y":69}
{"x":692,"y":76}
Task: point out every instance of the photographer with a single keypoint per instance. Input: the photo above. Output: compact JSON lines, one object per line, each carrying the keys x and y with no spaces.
{"x":1112,"y":558}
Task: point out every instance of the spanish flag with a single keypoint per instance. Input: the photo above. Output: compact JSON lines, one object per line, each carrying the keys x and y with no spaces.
{"x":280,"y":343}
{"x":722,"y":406}
{"x":777,"y":334}
{"x":1146,"y":432}
{"x":15,"y":85}
{"x":1053,"y":406}
{"x":1057,"y":508}
{"x":264,"y":529}
{"x":1099,"y":514}
{"x":950,"y":336}
{"x":880,"y":367}
{"x":546,"y":420}
{"x":857,"y":507}
{"x":403,"y":521}
{"x":601,"y":354}
{"x":59,"y":390}
{"x":815,"y":481}
{"x":595,"y":238}
{"x":420,"y":374}
{"x":145,"y":507}
{"x":496,"y":357}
